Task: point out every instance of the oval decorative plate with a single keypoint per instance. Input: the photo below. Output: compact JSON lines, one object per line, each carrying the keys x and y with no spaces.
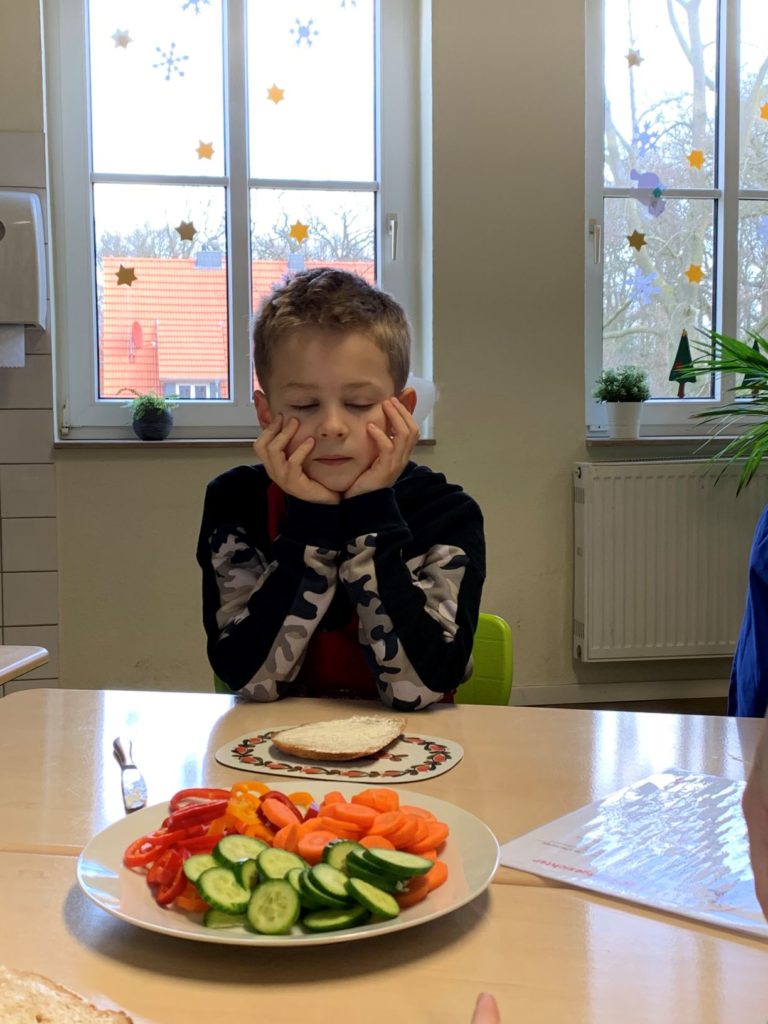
{"x":411,"y":758}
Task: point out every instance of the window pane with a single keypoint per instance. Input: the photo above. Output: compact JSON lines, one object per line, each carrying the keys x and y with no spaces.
{"x":659,"y":81}
{"x":754,"y":94}
{"x":753,"y":268}
{"x":311,"y":90}
{"x":657,"y":281}
{"x":161,"y":285}
{"x":156,"y":86}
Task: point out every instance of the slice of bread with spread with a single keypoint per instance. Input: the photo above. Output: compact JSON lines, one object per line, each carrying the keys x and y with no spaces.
{"x":27,"y":998}
{"x":340,"y":739}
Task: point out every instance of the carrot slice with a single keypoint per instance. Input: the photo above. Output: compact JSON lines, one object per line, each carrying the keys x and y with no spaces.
{"x":437,"y":834}
{"x":355,"y":814}
{"x":334,"y":797}
{"x":380,"y":799}
{"x":417,"y":889}
{"x":311,"y":846}
{"x":427,"y":854}
{"x":385,"y":823}
{"x":287,"y":838}
{"x":406,"y":834}
{"x":437,"y":874}
{"x":278,"y":813}
{"x":422,"y":828}
{"x":376,"y":843}
{"x":420,"y":812}
{"x":341,"y":829}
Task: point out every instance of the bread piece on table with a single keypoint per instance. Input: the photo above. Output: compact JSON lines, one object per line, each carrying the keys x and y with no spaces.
{"x":27,"y":998}
{"x":340,"y":739}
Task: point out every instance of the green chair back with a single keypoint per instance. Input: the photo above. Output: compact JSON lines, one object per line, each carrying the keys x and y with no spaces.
{"x":491,"y":679}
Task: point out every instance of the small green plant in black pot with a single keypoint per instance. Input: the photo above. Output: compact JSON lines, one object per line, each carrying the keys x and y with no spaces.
{"x":152,"y":418}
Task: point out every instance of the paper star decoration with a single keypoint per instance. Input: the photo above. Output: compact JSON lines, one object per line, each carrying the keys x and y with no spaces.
{"x":122,"y":38}
{"x":634,"y":60}
{"x":186,"y":230}
{"x":204,"y":150}
{"x":275,"y":94}
{"x":299,"y":232}
{"x":126,"y":275}
{"x":696,"y":158}
{"x":636,"y":239}
{"x":764,"y":111}
{"x":694,"y":273}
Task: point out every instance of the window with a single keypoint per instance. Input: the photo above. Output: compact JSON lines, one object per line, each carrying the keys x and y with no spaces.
{"x":677,"y":191}
{"x":200,"y":150}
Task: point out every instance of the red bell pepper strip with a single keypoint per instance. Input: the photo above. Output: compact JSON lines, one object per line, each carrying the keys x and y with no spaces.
{"x":165,"y":868}
{"x":202,"y":844}
{"x":196,"y":814}
{"x":141,"y":852}
{"x":203,"y":793}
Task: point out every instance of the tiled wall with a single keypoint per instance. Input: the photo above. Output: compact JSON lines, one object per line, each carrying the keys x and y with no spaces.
{"x":29,"y":611}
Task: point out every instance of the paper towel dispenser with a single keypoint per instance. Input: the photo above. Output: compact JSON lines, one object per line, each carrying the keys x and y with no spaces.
{"x":22,"y":260}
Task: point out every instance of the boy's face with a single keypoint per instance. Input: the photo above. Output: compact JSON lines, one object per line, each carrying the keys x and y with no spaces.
{"x":334,"y":386}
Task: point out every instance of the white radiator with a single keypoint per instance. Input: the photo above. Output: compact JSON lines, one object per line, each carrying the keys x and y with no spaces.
{"x":660,"y":559}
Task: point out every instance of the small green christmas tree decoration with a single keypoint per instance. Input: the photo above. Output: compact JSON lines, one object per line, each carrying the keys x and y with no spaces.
{"x":752,"y":380}
{"x":682,"y":368}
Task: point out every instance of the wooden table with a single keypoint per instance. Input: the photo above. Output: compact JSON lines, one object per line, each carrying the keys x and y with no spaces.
{"x":549,"y":954}
{"x":16,"y":660}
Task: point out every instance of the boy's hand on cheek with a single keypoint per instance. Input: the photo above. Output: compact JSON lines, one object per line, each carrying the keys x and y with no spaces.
{"x":287,"y":471}
{"x":394,"y":451}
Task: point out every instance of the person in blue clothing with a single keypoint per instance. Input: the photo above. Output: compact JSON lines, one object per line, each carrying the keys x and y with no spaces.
{"x":748,"y":693}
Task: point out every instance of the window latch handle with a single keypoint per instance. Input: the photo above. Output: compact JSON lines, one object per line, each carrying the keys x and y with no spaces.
{"x":596,"y":234}
{"x":392,"y":226}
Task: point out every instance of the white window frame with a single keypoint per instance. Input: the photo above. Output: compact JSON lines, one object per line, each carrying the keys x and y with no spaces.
{"x":664,"y":417}
{"x":402,"y":187}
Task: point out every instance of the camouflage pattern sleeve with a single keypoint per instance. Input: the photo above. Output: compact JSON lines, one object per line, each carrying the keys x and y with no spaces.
{"x":263,"y":599}
{"x":415,"y":576}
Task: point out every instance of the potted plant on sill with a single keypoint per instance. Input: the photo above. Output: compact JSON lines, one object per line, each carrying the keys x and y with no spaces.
{"x":152,"y":418}
{"x":623,"y":392}
{"x":749,"y":363}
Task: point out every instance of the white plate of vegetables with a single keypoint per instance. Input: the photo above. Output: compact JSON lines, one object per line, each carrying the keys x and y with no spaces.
{"x":345,"y":864}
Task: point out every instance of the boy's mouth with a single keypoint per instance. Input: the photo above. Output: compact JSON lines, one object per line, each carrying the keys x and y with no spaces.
{"x":333,"y":460}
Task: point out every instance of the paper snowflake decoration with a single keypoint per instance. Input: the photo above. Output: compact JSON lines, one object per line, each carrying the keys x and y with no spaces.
{"x":646,"y":140}
{"x":186,"y":231}
{"x":764,"y":111}
{"x":204,"y":150}
{"x":194,"y":3}
{"x":122,"y":38}
{"x":275,"y":94}
{"x":304,"y":33}
{"x":636,"y":240}
{"x":170,"y":61}
{"x":649,"y":191}
{"x":634,"y":60}
{"x":642,"y":288}
{"x":762,"y":230}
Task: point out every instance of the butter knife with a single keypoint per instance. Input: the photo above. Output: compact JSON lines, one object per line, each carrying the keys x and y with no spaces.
{"x":134,"y":786}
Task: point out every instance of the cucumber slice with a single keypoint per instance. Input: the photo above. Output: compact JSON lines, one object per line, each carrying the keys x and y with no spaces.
{"x":332,"y":881}
{"x":231,"y":850}
{"x":275,"y":864}
{"x":247,"y":873}
{"x":372,"y":898}
{"x":314,"y":894}
{"x":333,"y":920}
{"x":195,"y":865}
{"x":218,"y":919}
{"x":292,"y":877}
{"x":336,"y":853}
{"x":220,"y":888}
{"x":274,"y":908}
{"x":397,"y":863}
{"x":358,"y":867}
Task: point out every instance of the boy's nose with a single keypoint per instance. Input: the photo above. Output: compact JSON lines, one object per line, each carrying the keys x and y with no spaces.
{"x":333,"y":425}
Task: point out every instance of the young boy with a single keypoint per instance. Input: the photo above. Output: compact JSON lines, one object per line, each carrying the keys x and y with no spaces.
{"x":338,"y":567}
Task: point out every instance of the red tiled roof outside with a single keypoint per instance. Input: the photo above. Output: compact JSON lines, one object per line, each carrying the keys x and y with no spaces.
{"x":170,"y":325}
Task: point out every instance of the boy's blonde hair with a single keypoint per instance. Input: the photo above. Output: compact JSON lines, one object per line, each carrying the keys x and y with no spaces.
{"x":338,"y":302}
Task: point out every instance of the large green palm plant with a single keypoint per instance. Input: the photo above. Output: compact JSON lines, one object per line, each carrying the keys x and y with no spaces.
{"x":750,"y":364}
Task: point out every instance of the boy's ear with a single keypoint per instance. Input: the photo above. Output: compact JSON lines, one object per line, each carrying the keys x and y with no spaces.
{"x":262,"y":408}
{"x":408,"y":398}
